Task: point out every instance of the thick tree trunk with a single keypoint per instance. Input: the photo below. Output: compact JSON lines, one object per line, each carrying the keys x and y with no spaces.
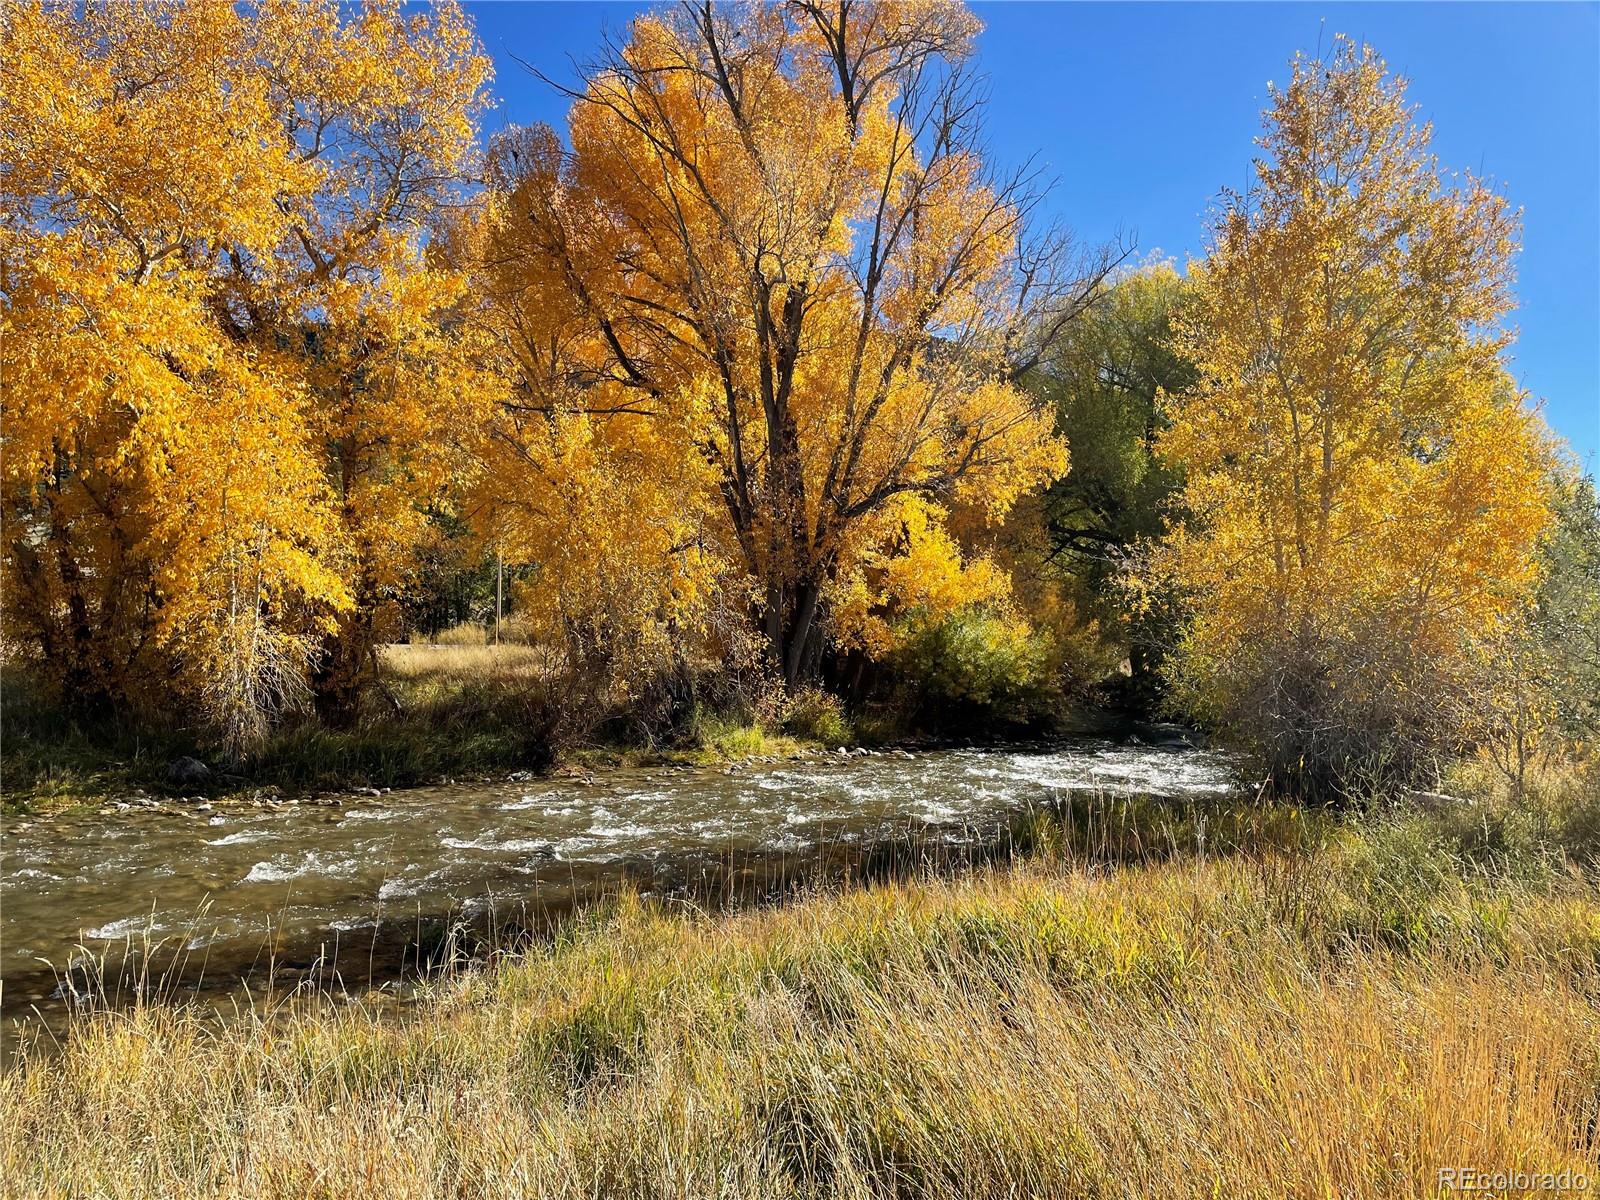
{"x":86,"y":682}
{"x":346,"y":665}
{"x":797,"y":653}
{"x":793,"y":628}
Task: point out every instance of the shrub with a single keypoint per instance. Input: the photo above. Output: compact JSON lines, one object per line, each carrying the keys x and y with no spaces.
{"x":973,"y":663}
{"x":1343,"y":714}
{"x":817,"y":716}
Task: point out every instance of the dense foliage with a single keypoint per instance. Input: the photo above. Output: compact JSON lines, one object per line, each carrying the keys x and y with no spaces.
{"x":1107,"y":377}
{"x":1366,"y":489}
{"x":230,"y":376}
{"x":764,"y":325}
{"x":758,"y":376}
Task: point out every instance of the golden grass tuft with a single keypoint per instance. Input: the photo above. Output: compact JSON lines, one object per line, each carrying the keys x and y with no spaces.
{"x":462,"y":662}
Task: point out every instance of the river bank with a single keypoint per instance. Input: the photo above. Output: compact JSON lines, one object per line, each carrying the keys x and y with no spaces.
{"x":434,"y":717}
{"x":1292,"y":1004}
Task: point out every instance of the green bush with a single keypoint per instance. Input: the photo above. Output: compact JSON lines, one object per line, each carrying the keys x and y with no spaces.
{"x":817,"y":716}
{"x":974,"y":662}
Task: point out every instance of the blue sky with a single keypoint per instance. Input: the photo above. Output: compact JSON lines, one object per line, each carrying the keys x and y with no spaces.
{"x":1141,"y":111}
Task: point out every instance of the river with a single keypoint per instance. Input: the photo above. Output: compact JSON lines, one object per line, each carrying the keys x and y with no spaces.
{"x":360,"y":889}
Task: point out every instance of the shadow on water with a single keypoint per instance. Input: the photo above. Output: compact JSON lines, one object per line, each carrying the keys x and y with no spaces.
{"x":509,"y":863}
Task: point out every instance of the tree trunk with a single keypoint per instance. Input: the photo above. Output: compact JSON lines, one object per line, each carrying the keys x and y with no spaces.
{"x":797,"y":656}
{"x":347,"y":664}
{"x":793,"y":628}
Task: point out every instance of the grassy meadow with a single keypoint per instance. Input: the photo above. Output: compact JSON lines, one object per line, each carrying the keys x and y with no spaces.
{"x":1276,"y":1002}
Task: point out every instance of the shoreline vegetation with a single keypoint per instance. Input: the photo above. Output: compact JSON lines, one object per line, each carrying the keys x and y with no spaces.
{"x":1300,"y":1004}
{"x":919,"y":461}
{"x":448,"y":714}
{"x":460,"y":711}
{"x":919,"y":464}
{"x":445,"y":713}
{"x":758,"y":412}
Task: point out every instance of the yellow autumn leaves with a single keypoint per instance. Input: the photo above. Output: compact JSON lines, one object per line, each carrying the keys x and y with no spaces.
{"x":740,"y":363}
{"x":229,"y":382}
{"x":768,"y":295}
{"x":1365,"y":488}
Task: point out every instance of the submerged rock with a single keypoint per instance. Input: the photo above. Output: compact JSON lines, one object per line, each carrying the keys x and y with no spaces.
{"x":1164,"y":735}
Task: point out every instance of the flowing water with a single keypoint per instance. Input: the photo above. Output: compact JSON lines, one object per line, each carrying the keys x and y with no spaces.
{"x":357,"y":889}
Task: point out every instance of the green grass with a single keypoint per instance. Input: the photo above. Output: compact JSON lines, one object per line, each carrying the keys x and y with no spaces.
{"x":718,"y":737}
{"x":54,"y":760}
{"x":1310,"y":1006}
{"x":463,"y":713}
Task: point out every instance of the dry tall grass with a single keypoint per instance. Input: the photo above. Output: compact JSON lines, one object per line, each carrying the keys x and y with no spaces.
{"x":462,"y":662}
{"x":1339,"y":1022}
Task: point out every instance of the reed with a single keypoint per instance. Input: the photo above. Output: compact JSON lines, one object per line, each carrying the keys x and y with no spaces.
{"x":1340,"y":1014}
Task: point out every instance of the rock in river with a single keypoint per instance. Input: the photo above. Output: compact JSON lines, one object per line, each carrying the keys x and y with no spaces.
{"x":187,"y":772}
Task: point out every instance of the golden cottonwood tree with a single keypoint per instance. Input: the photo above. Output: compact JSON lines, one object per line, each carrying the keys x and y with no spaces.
{"x":229,"y":372}
{"x":1364,"y":482}
{"x":765,"y":323}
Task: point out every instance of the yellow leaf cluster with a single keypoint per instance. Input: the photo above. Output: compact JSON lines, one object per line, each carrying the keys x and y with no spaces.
{"x":773,"y":285}
{"x":1360,"y":470}
{"x":229,"y":374}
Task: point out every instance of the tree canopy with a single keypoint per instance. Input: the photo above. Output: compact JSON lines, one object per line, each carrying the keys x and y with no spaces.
{"x":765,"y":323}
{"x":229,"y":373}
{"x":762,"y":361}
{"x":1365,"y":486}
